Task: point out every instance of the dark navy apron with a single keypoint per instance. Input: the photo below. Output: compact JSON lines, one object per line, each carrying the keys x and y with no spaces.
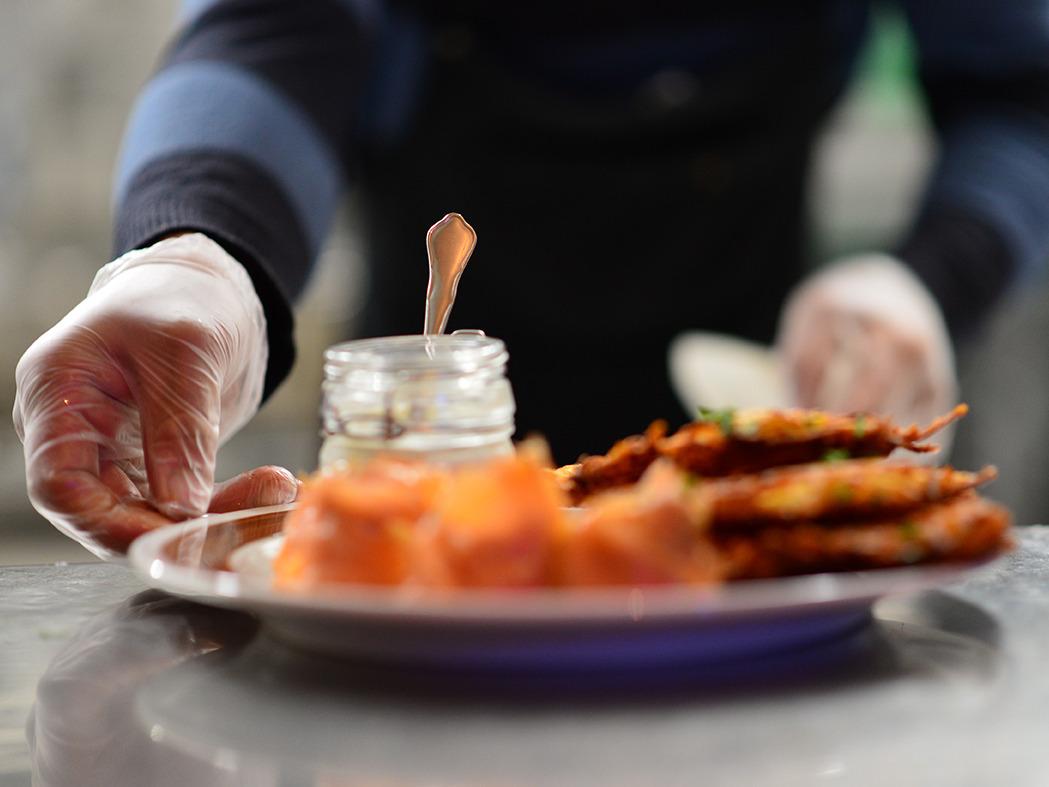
{"x":608,"y":220}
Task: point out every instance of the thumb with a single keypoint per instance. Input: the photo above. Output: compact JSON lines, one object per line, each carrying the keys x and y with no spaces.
{"x":263,"y":486}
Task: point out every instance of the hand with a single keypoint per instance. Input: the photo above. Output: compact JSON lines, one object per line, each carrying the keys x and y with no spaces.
{"x":865,"y":335}
{"x":121,"y":407}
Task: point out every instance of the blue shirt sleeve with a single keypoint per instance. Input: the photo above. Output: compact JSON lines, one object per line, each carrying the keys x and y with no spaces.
{"x":984,"y":225}
{"x":241,"y":134}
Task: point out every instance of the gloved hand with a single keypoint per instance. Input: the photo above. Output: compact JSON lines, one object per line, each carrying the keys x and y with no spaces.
{"x":122,"y":405}
{"x":866,"y":335}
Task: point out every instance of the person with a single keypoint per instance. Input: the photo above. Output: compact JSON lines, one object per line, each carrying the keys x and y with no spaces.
{"x":633,"y":171}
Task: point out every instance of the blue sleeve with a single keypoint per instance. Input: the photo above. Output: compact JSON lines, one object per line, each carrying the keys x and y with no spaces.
{"x":242,"y":134}
{"x":984,"y":225}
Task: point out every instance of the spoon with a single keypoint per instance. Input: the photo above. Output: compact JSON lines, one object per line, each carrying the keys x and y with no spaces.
{"x":449,"y":244}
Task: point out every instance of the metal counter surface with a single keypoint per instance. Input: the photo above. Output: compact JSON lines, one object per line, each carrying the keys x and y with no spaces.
{"x":105,"y":683}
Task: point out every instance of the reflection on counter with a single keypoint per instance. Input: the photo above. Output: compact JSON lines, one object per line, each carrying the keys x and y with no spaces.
{"x":160,"y":691}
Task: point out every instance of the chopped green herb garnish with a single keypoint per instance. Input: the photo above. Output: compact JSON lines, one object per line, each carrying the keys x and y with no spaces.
{"x":861,"y":426}
{"x":836,"y":455}
{"x":723,"y":418}
{"x":691,"y":480}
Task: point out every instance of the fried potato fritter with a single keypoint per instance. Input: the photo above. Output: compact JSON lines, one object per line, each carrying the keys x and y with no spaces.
{"x":748,"y":441}
{"x":847,"y":490}
{"x":966,"y":527}
{"x":624,"y":464}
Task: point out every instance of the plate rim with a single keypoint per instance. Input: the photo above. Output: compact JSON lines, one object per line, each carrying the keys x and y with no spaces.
{"x":742,"y":598}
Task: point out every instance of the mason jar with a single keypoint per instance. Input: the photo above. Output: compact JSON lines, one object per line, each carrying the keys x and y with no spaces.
{"x":441,"y":398}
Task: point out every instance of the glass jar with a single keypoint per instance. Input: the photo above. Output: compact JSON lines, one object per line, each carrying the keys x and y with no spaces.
{"x":439,"y":398}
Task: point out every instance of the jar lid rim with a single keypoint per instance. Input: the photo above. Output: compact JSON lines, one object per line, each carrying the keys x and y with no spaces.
{"x":444,"y":352}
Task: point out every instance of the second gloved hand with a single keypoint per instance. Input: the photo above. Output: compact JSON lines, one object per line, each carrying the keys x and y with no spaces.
{"x":865,"y":335}
{"x":121,"y":407}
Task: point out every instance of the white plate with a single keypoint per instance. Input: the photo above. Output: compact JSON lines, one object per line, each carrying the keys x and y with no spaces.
{"x":224,"y":560}
{"x":715,"y":370}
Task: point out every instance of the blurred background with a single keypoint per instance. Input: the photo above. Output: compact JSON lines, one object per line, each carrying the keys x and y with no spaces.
{"x":69,"y":71}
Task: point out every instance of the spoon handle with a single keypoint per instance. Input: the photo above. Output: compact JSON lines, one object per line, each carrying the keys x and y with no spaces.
{"x":449,"y":244}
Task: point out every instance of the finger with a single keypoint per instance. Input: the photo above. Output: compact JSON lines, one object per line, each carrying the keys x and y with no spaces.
{"x":56,"y":415}
{"x":807,"y":349}
{"x":118,"y":522}
{"x":876,"y":373}
{"x":116,"y":478}
{"x":893,"y":368}
{"x":179,"y":395}
{"x":263,"y":486}
{"x":84,"y":506}
{"x":807,"y":376}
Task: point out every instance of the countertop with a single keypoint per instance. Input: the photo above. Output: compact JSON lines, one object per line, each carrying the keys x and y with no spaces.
{"x":103,"y":682}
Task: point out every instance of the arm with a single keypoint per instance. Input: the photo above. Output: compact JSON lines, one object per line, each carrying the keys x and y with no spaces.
{"x":122,"y":405}
{"x":871,"y":333}
{"x":985,"y":221}
{"x":240,"y":135}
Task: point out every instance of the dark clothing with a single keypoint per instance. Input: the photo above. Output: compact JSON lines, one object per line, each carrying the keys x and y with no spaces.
{"x":629,"y":178}
{"x":599,"y":241}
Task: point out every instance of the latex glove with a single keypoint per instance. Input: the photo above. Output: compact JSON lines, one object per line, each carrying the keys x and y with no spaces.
{"x":865,"y":335}
{"x":121,"y":406}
